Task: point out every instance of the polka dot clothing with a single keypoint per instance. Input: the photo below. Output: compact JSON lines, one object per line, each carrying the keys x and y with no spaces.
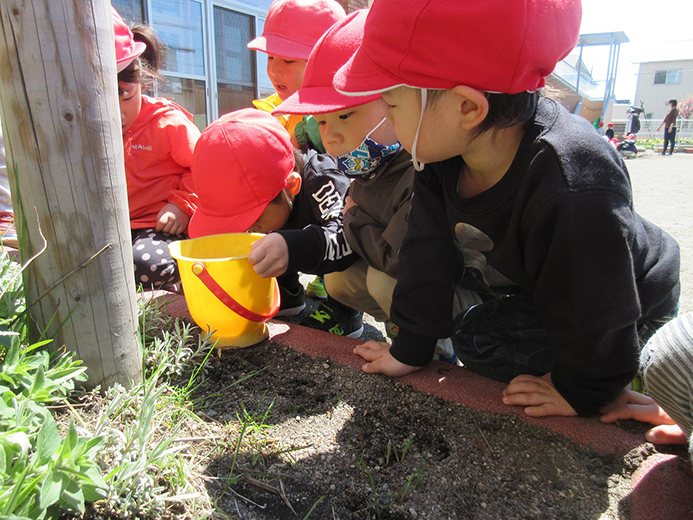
{"x":154,"y":266}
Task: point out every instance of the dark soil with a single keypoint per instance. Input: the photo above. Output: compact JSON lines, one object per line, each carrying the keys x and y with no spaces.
{"x":345,"y":444}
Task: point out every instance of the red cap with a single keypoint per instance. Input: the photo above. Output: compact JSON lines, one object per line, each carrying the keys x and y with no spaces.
{"x":241,"y":163}
{"x":293,"y":27}
{"x":601,"y":123}
{"x":490,"y":45}
{"x":127,"y":49}
{"x":610,"y":125}
{"x":317,"y":95}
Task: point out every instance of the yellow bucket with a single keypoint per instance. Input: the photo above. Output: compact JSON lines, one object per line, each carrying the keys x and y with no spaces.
{"x":223,"y":292}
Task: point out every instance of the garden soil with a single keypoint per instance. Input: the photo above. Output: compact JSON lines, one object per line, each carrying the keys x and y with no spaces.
{"x":326,"y":441}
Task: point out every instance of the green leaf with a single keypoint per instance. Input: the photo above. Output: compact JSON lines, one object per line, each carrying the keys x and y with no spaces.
{"x":52,"y":488}
{"x":72,"y":497}
{"x":39,"y":380}
{"x":48,"y":441}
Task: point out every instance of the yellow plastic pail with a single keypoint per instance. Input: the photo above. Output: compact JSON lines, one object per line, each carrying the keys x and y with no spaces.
{"x":223,"y":292}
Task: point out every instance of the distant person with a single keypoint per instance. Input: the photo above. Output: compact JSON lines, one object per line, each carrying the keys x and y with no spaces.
{"x":609,"y":131}
{"x":669,"y":125}
{"x":666,"y":364}
{"x":249,"y":177}
{"x":158,"y":138}
{"x":517,"y":200}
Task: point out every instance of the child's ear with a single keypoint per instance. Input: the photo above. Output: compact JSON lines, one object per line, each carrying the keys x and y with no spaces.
{"x":293,"y":183}
{"x":472,"y":105}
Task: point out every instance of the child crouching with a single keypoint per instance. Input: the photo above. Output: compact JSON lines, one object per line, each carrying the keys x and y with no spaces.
{"x":248,"y":177}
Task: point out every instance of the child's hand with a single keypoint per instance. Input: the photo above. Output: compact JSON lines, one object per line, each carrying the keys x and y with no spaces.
{"x":633,"y":405}
{"x":538,"y":395}
{"x":380,"y":361}
{"x":172,"y":220}
{"x":348,"y":202}
{"x":269,"y":255}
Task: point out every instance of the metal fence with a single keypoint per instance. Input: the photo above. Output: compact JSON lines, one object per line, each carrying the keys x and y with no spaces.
{"x":648,"y":128}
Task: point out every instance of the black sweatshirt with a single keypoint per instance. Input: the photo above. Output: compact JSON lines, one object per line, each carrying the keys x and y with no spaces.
{"x":314,"y":232}
{"x":559,"y":227}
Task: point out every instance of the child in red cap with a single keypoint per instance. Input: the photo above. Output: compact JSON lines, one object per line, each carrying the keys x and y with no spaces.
{"x":291,"y":30}
{"x":520,"y":201}
{"x":249,"y":177}
{"x":365,"y":147}
{"x":159,"y":138}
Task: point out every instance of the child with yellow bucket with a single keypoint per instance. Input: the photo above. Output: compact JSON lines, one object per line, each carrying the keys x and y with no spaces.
{"x":248,"y":177}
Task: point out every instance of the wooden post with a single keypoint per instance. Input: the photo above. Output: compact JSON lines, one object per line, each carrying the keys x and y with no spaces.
{"x":59,"y":102}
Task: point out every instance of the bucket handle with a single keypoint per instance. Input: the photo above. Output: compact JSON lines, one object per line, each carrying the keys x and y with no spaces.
{"x":198,"y":268}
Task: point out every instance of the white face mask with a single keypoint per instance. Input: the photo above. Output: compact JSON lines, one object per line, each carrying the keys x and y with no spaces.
{"x":418,"y":166}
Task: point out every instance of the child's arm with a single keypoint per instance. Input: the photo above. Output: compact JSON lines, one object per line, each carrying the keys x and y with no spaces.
{"x":319,"y":246}
{"x":183,"y":135}
{"x":378,"y":245}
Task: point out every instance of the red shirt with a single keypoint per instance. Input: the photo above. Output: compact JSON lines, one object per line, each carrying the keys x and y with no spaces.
{"x":158,"y":154}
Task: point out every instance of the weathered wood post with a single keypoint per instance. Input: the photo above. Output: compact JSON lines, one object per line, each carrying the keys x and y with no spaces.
{"x":59,"y":103}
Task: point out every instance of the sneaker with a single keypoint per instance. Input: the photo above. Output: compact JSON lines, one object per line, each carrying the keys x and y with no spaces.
{"x":445,"y":351}
{"x":8,"y":233}
{"x":291,"y":304}
{"x":391,"y":329}
{"x":335,"y":321}
{"x":316,"y":289}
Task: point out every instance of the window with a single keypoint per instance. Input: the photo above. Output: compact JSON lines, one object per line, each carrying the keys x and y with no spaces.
{"x":234,"y":64}
{"x":667,"y":77}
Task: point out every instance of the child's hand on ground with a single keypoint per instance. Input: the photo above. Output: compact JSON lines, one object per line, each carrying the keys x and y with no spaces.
{"x":538,"y":395}
{"x":380,"y":361}
{"x":634,"y":405}
{"x":269,"y":255}
{"x":172,"y":220}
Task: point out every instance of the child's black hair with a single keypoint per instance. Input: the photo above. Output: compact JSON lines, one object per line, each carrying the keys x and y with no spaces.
{"x":145,"y":69}
{"x":672,"y":102}
{"x":504,"y":110}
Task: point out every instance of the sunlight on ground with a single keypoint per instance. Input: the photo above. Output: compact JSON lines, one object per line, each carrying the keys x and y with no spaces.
{"x":318,"y":433}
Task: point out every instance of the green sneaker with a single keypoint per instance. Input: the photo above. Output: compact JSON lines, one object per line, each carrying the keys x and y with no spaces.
{"x":335,"y":321}
{"x":316,"y":289}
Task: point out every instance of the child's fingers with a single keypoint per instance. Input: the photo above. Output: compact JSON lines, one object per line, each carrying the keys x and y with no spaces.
{"x":666,"y":434}
{"x":543,"y":410}
{"x":371,"y":350}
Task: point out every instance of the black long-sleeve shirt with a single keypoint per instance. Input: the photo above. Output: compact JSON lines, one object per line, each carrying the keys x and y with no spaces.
{"x":314,"y":232}
{"x":560,"y":227}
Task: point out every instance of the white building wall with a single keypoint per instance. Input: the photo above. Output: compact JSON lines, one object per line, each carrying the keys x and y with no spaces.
{"x":656,"y":97}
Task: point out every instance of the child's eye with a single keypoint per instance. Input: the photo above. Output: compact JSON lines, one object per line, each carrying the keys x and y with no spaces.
{"x":289,"y":62}
{"x":322,"y":123}
{"x":345,"y":116}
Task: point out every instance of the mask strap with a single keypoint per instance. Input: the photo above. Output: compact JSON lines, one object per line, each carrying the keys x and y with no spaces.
{"x":376,"y":127}
{"x":418,"y":166}
{"x":288,"y":199}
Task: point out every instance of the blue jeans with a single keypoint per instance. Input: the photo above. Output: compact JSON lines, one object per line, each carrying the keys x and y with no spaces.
{"x":669,"y":137}
{"x":504,"y":338}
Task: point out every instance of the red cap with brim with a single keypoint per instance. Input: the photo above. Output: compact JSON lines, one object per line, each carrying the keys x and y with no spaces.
{"x":127,"y":49}
{"x":492,"y":46}
{"x":317,"y":95}
{"x":240,"y":164}
{"x":293,"y":27}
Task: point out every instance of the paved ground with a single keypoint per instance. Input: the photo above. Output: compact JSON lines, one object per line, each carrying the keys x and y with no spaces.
{"x":662,"y":486}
